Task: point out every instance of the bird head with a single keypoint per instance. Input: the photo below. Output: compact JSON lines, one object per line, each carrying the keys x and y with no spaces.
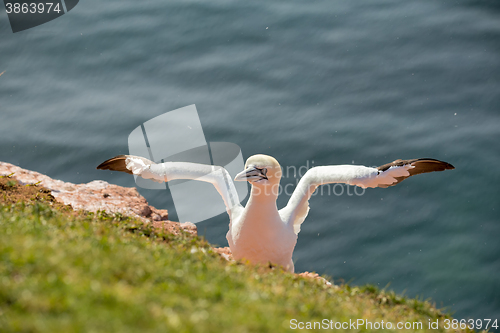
{"x":260,"y":170}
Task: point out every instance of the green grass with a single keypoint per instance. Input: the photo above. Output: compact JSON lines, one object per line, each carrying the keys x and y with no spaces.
{"x":62,"y":272}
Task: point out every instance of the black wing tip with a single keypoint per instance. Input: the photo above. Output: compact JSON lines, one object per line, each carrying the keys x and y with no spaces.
{"x":108,"y":164}
{"x":448,"y":166}
{"x":441,"y":164}
{"x":445,"y":165}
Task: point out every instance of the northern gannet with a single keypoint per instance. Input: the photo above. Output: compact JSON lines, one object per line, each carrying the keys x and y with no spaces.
{"x":259,"y":232}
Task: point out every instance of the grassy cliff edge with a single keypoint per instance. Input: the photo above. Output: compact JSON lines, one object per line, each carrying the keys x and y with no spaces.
{"x":67,"y":271}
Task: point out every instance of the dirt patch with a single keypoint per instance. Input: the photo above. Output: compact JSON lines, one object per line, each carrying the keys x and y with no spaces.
{"x":12,"y":192}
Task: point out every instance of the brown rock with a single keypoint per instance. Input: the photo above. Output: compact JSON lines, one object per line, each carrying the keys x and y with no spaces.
{"x":225,"y":252}
{"x":97,"y":195}
{"x":315,"y":276}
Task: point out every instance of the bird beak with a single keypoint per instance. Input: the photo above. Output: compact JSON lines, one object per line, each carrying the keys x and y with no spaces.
{"x":251,"y":174}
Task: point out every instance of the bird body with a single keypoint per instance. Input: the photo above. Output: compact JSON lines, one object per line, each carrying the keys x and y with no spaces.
{"x":259,"y":232}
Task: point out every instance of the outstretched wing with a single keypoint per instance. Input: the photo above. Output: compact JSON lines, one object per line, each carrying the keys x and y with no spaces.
{"x":164,"y":172}
{"x":384,"y":176}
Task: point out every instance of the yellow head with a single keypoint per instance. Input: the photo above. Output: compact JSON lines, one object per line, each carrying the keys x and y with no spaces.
{"x":261,"y":170}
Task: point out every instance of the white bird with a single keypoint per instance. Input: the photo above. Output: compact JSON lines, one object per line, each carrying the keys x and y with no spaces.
{"x":259,"y":232}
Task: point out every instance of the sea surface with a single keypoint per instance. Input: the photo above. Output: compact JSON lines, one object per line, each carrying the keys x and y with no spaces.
{"x":323,"y":82}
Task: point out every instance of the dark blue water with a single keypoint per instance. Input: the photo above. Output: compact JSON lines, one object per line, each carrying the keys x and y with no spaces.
{"x":334,"y":82}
